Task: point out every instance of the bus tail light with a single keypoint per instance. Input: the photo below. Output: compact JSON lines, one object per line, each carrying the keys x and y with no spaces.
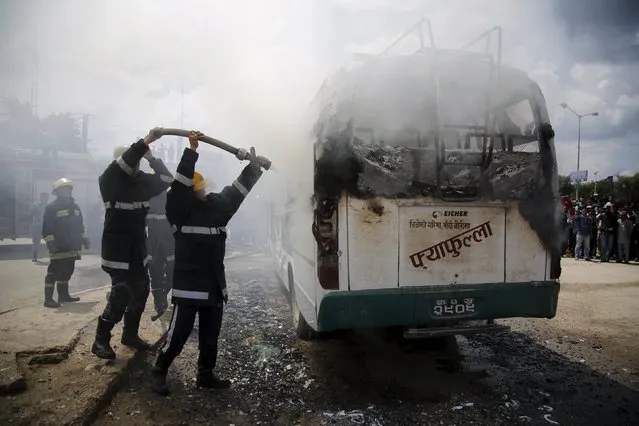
{"x":325,"y":233}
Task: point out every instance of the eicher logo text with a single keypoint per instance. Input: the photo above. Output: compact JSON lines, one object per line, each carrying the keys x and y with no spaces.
{"x":450,"y":213}
{"x":453,"y":245}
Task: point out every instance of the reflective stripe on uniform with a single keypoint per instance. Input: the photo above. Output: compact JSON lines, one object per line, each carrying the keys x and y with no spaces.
{"x":63,"y":255}
{"x":167,"y":179}
{"x":62,"y":213}
{"x":186,"y":294}
{"x":156,"y":216}
{"x":124,"y":166}
{"x":183,"y":179}
{"x":170,"y":258}
{"x":203,"y":230}
{"x":240,"y":187}
{"x":49,"y":285}
{"x":169,"y":334}
{"x":147,"y":259}
{"x":127,"y":206}
{"x":115,"y":265}
{"x":49,"y":238}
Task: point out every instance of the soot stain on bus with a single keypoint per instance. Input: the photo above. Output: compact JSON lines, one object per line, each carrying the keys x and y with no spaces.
{"x":371,"y":171}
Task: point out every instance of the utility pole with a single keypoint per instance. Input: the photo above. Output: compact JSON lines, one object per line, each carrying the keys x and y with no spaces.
{"x":579,"y":116}
{"x":35,"y":75}
{"x":182,"y":116}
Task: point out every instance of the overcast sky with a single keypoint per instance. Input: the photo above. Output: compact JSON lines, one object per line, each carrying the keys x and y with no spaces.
{"x":246,"y":65}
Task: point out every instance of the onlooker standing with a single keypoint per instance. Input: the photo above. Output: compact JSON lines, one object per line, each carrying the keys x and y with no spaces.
{"x":593,"y":231}
{"x":566,"y":231}
{"x":606,"y":229}
{"x":624,"y":233}
{"x":583,"y":227}
{"x":634,"y":239}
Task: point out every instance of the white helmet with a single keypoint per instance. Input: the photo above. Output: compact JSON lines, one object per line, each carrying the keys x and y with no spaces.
{"x":119,"y":150}
{"x":60,"y":183}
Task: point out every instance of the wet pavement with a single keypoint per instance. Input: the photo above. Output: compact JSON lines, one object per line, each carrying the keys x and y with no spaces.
{"x":366,"y":378}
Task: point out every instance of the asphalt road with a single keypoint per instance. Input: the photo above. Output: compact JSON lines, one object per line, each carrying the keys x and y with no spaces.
{"x":534,"y":375}
{"x":22,"y":281}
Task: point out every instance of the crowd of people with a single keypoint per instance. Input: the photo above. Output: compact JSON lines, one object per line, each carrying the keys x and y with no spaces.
{"x":606,"y":230}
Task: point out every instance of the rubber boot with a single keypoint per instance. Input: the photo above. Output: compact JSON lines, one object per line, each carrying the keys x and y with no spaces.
{"x":211,"y":381}
{"x":205,"y":376}
{"x":63,"y":293}
{"x":158,"y":377}
{"x":130,"y":335}
{"x":48,"y":296}
{"x":102,"y":344}
{"x":160,"y":301}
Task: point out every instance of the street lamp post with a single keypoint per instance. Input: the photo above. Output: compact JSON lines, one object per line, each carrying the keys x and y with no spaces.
{"x":579,"y":116}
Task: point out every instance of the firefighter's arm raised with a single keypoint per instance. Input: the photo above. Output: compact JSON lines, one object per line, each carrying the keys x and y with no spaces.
{"x":156,"y":183}
{"x":233,"y":195}
{"x":48,"y":228}
{"x":181,"y":195}
{"x":126,"y":164}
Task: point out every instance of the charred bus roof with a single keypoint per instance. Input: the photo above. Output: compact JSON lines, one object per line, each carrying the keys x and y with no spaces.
{"x":406,"y":90}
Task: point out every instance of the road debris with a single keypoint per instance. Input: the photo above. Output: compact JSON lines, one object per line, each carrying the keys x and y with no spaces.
{"x":549,"y":420}
{"x":354,"y":416}
{"x":356,"y":379}
{"x":463,"y":405}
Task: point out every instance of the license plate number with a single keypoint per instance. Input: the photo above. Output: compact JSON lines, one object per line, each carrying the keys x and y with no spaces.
{"x":453,"y":307}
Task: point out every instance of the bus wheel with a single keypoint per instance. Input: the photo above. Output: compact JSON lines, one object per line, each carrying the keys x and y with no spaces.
{"x":302,"y":329}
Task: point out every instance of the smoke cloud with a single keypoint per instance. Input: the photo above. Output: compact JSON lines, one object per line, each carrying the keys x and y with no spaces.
{"x":248,"y":69}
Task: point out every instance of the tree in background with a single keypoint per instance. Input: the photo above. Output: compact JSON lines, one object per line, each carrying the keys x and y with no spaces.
{"x":20,"y":128}
{"x":624,"y":189}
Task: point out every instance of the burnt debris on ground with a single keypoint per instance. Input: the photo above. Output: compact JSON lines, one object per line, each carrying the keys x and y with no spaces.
{"x":361,"y":378}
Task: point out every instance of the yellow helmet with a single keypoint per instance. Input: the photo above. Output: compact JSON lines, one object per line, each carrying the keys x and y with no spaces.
{"x":198,"y":182}
{"x":119,"y":150}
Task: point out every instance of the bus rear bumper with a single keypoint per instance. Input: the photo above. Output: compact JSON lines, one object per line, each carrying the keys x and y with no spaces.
{"x":434,"y":306}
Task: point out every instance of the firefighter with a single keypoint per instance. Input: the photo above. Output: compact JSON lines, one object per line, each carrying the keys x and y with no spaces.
{"x":161,"y":247}
{"x":63,"y":231}
{"x":199,"y":284}
{"x":126,"y":192}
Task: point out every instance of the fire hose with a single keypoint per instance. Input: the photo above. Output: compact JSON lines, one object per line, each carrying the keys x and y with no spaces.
{"x":240,"y":153}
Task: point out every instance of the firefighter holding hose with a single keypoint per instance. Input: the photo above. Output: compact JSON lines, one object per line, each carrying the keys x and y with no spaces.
{"x":199,"y":283}
{"x":126,"y":192}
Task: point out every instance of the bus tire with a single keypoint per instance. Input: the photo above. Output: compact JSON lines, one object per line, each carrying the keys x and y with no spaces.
{"x":302,"y":329}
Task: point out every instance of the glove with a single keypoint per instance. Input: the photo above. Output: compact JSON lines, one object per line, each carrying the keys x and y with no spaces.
{"x":254,"y":160}
{"x":160,"y":300}
{"x":241,"y":154}
{"x":52,"y":247}
{"x":225,"y":295}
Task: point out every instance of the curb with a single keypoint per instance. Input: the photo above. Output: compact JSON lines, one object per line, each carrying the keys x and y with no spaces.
{"x":136,"y":361}
{"x":95,"y":389}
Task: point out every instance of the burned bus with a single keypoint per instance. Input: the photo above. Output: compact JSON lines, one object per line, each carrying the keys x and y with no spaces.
{"x":430,"y":202}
